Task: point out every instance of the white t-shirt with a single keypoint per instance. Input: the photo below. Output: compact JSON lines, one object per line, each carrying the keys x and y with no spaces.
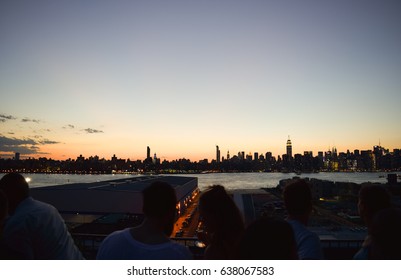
{"x":37,"y":231}
{"x":120,"y":245}
{"x":308,"y":242}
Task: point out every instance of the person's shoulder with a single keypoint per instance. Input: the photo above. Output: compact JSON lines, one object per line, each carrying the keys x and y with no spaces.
{"x":182,"y":251}
{"x":33,"y":206}
{"x":298,"y":227}
{"x":117,"y":235}
{"x":362,"y":254}
{"x":38,"y":212}
{"x":111,"y":246}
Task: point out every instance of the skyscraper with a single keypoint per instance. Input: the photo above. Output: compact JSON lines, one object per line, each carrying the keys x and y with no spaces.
{"x":148,"y":153}
{"x":289,"y":148}
{"x":217,"y":154}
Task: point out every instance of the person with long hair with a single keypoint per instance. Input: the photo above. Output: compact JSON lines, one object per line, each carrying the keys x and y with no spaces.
{"x":222,"y":221}
{"x":372,"y":200}
{"x":268,"y":239}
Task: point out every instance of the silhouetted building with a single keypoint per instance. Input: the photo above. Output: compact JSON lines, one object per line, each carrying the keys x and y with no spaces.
{"x":289,"y":148}
{"x":114,"y":158}
{"x":148,"y":153}
{"x":256,"y":156}
{"x":155,"y":159}
{"x":217,"y":154}
{"x":249,"y":157}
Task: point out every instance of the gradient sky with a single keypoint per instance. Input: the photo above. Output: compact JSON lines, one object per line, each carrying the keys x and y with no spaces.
{"x":112,"y":77}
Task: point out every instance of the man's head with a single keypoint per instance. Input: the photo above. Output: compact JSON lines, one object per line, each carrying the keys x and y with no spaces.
{"x":372,"y":199}
{"x":298,"y":199}
{"x":15,"y":188}
{"x":159,"y":204}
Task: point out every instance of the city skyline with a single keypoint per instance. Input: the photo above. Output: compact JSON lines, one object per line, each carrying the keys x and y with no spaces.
{"x":102,"y":78}
{"x":219,"y":156}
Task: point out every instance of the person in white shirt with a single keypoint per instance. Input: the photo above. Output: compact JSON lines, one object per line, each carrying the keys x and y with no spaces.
{"x":34,"y":229}
{"x":298,"y":202}
{"x":150,"y":240}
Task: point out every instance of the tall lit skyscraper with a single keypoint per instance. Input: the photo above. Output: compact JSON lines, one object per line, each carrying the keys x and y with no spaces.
{"x":289,"y":148}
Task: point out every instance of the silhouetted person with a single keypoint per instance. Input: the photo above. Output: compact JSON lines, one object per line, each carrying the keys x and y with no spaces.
{"x":386,"y":235}
{"x":3,"y":215}
{"x":298,"y":202}
{"x":5,"y":252}
{"x":223,"y":223}
{"x":372,"y":199}
{"x":268,"y":239}
{"x":3,"y":210}
{"x":150,"y":240}
{"x":34,"y":230}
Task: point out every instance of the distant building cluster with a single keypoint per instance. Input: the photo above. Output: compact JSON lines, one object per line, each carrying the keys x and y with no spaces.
{"x":377,"y":159}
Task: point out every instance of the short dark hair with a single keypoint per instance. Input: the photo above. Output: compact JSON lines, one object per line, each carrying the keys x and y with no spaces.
{"x":297,"y":197}
{"x":14,"y":187}
{"x":158,"y":199}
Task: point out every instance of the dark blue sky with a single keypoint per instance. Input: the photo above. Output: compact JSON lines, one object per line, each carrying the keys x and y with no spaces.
{"x":183,"y":76}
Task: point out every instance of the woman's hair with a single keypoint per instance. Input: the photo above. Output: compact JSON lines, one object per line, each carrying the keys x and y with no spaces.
{"x":386,"y":232}
{"x":219,"y":208}
{"x":268,"y":239}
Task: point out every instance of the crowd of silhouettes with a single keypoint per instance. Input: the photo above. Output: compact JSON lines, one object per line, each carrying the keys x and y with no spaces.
{"x":30,"y":229}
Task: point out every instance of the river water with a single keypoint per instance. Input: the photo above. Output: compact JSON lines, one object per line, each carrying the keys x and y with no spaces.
{"x":231,"y":181}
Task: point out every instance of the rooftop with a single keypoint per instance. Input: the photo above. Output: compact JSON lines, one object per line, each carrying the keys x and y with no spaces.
{"x":116,"y":196}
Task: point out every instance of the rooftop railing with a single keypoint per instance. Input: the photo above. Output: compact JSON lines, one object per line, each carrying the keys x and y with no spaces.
{"x":332,"y":249}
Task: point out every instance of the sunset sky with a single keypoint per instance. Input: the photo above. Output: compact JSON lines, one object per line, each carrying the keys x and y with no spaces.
{"x":113,"y":77}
